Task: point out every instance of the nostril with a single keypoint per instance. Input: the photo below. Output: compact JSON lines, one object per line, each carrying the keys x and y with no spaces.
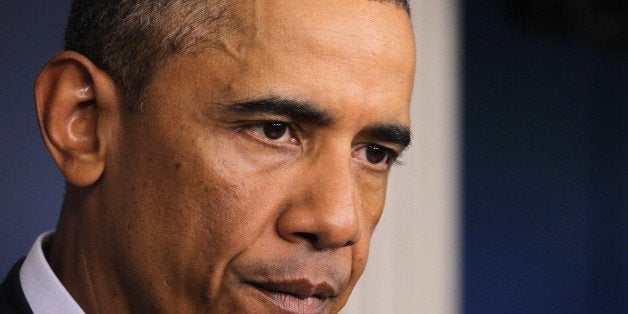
{"x":310,"y":237}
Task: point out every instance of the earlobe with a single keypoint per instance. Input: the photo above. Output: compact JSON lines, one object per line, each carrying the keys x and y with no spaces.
{"x":70,"y":96}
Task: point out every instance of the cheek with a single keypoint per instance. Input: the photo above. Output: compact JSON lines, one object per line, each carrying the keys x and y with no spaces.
{"x":230,"y":190}
{"x":186,"y":206}
{"x":372,"y":195}
{"x":208,"y":182}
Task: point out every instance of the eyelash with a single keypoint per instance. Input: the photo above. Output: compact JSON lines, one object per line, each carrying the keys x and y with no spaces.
{"x":291,"y":128}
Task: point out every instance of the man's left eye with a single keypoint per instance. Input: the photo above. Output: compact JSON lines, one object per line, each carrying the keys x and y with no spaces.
{"x":275,"y":131}
{"x":375,"y":155}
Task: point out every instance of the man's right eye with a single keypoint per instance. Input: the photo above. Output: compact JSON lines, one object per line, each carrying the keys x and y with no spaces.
{"x":275,"y":131}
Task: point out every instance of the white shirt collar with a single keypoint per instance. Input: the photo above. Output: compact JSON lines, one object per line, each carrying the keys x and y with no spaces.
{"x":43,"y":290}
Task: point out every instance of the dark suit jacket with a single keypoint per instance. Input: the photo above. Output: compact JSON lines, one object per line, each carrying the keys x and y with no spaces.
{"x":12,"y":299}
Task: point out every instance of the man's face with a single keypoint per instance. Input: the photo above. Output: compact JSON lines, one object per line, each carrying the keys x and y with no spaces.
{"x":257,"y":173}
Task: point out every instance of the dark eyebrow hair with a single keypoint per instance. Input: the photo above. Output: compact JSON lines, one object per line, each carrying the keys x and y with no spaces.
{"x":390,"y":132}
{"x":301,"y":111}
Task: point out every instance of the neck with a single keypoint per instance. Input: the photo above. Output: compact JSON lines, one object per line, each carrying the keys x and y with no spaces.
{"x":67,"y":255}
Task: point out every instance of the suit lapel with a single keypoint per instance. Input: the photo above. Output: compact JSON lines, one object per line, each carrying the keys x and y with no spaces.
{"x":12,"y":299}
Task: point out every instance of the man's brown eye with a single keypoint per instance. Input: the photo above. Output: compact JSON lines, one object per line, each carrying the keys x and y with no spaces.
{"x":376,"y":154}
{"x":275,"y":130}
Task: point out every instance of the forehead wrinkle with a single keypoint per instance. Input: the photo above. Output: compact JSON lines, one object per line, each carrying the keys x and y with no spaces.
{"x":263,"y":26}
{"x":243,"y":34}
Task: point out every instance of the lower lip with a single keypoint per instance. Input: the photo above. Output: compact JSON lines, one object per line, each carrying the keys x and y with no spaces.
{"x":292,"y":304}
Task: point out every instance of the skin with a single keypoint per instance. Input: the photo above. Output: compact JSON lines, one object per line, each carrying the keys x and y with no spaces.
{"x":190,"y":206}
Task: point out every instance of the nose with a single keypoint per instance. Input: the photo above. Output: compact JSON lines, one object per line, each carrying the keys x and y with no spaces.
{"x":325,"y":212}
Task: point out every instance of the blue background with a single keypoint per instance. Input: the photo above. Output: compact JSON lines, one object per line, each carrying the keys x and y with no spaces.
{"x":31,"y":187}
{"x":545,"y":161}
{"x":545,"y":168}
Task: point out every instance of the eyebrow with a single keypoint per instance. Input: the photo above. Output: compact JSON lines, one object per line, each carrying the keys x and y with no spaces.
{"x":303,"y":111}
{"x":393,"y":133}
{"x":300,"y":111}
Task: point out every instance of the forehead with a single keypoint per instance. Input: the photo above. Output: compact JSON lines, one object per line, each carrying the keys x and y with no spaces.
{"x":366,"y":21}
{"x":329,"y":52}
{"x":354,"y":29}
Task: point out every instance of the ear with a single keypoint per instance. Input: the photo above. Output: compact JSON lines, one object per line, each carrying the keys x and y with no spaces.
{"x":72,"y":98}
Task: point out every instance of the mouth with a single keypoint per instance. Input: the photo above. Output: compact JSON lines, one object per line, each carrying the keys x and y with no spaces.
{"x":296,"y":296}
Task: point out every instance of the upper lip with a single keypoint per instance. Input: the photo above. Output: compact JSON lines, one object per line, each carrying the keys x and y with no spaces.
{"x":300,"y":288}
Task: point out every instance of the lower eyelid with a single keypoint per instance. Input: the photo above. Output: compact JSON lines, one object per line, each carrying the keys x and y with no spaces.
{"x":373,"y":168}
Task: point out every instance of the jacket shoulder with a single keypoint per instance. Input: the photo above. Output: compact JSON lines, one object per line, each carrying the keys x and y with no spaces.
{"x":12,"y":299}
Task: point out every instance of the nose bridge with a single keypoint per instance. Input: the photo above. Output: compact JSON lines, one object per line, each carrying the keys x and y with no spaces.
{"x":328,"y":213}
{"x":339,"y":176}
